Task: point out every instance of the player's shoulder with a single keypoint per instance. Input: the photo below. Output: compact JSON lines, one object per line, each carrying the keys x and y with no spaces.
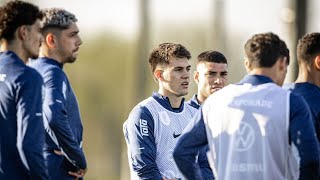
{"x":55,"y":71}
{"x":28,"y":75}
{"x":193,"y":102}
{"x":192,"y":107}
{"x":47,"y":69}
{"x":296,"y":98}
{"x":289,"y":86}
{"x":140,"y":111}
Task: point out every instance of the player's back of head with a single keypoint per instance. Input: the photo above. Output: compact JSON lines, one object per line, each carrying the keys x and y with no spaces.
{"x":263,"y":50}
{"x":308,"y":46}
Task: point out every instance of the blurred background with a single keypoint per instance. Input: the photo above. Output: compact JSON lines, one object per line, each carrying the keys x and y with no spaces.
{"x":111,"y":74}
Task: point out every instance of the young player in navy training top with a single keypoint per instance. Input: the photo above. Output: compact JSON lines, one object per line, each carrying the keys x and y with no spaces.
{"x":211,"y":75}
{"x":308,"y":82}
{"x":21,"y":122}
{"x":254,"y":128}
{"x":63,"y":148}
{"x":155,"y":124}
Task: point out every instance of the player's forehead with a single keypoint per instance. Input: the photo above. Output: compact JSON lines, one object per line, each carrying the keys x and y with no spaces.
{"x":72,"y":28}
{"x":178,"y":62}
{"x":212,"y":66}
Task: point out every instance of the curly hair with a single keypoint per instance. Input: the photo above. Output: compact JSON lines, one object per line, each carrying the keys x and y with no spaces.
{"x":57,"y":18}
{"x":308,"y":46}
{"x":164,"y":52}
{"x":263,"y":50}
{"x":15,"y":14}
{"x":212,"y":56}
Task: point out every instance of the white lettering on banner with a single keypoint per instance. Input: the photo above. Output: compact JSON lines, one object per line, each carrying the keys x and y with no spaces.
{"x":144,"y":127}
{"x":247,"y":167}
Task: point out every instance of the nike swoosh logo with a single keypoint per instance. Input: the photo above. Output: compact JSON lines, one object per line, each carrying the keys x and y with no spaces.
{"x":176,"y":135}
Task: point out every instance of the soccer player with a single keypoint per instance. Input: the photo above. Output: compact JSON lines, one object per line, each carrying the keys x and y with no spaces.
{"x":21,"y":122}
{"x":211,"y":75}
{"x":308,"y":82}
{"x":63,"y":148}
{"x":155,"y":124}
{"x":254,"y":127}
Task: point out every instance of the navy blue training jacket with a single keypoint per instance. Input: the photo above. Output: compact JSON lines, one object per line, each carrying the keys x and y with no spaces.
{"x":21,"y":123}
{"x":61,"y":111}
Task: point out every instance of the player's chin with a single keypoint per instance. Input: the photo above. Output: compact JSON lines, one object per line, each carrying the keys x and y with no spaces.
{"x":183,"y":92}
{"x":34,"y":55}
{"x":213,"y":90}
{"x":72,"y":59}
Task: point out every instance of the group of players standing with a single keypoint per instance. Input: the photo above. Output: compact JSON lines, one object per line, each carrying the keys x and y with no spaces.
{"x":253,"y":129}
{"x":40,"y":124}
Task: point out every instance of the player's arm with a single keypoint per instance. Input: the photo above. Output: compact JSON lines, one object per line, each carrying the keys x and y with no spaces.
{"x":56,"y":113}
{"x":204,"y":164}
{"x":303,"y":136}
{"x":190,"y":143}
{"x":30,"y":129}
{"x":317,"y":126}
{"x":139,"y":135}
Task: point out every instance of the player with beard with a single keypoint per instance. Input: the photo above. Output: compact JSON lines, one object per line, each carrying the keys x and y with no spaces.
{"x":21,"y":123}
{"x":155,"y":124}
{"x":63,"y":148}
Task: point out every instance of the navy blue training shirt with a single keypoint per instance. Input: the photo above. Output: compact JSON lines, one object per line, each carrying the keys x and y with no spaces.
{"x":203,"y":152}
{"x":60,"y":107}
{"x":311,"y":93}
{"x":21,"y":123}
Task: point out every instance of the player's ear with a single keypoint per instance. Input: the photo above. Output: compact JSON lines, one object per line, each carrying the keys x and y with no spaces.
{"x":50,"y":40}
{"x":317,"y":62}
{"x":247,"y":65}
{"x":158,"y":74}
{"x":196,"y":76}
{"x":283,"y":63}
{"x":22,"y":32}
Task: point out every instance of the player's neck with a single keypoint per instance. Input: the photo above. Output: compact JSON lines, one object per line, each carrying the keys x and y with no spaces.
{"x":15,"y":47}
{"x":49,"y":54}
{"x":268,"y":72}
{"x":307,"y":75}
{"x":175,"y":101}
{"x":200,"y":98}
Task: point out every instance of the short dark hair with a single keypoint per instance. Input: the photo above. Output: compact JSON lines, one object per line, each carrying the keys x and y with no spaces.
{"x":211,"y":56}
{"x":15,"y":14}
{"x":57,"y":18}
{"x":308,"y":46}
{"x":263,"y":50}
{"x":165,"y":51}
